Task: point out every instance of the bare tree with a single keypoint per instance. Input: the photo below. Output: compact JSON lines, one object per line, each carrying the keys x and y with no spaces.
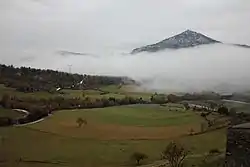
{"x":175,"y":154}
{"x":81,"y":121}
{"x":138,"y":157}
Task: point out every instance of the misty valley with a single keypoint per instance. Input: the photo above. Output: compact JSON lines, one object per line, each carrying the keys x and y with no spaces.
{"x":124,"y":83}
{"x":111,"y":115}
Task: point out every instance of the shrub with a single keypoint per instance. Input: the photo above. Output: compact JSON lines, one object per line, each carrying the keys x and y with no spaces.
{"x":81,"y":121}
{"x":203,"y":114}
{"x":138,"y":157}
{"x":214,"y":151}
{"x":223,"y":110}
{"x":5,"y":121}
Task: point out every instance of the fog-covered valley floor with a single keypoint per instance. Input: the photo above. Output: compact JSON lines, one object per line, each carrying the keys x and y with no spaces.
{"x":215,"y":67}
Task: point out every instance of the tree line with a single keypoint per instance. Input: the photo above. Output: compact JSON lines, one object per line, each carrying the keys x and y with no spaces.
{"x":26,"y":79}
{"x":172,"y":98}
{"x":39,"y":108}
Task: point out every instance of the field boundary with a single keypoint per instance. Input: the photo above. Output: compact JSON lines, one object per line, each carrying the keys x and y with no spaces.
{"x":94,"y":139}
{"x":86,"y":139}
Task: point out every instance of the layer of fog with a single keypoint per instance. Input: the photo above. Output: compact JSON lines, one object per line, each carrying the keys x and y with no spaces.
{"x":33,"y":32}
{"x":215,"y":67}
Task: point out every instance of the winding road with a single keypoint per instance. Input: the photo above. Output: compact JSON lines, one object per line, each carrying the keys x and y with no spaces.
{"x":26,"y":113}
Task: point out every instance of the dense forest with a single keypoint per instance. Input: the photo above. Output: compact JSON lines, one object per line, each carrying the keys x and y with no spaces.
{"x":27,"y":79}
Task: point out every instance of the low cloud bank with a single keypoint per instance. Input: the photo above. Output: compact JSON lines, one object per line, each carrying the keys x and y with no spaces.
{"x":216,"y":67}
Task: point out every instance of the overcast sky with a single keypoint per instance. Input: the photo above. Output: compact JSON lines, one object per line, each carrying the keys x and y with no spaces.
{"x":33,"y":31}
{"x":89,"y":24}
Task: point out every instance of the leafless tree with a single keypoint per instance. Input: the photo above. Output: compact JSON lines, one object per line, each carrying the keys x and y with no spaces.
{"x":175,"y":154}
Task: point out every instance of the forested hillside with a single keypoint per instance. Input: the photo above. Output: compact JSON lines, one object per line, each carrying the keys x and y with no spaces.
{"x":29,"y":79}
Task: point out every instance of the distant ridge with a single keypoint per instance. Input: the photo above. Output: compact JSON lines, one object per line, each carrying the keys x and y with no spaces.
{"x":185,"y":39}
{"x":241,"y":45}
{"x":68,"y":53}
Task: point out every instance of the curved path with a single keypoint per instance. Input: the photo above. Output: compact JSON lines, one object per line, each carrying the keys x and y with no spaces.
{"x":30,"y":123}
{"x":22,"y":111}
{"x":26,"y":113}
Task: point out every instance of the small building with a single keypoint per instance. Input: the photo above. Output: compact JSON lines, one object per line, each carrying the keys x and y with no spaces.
{"x":238,"y":146}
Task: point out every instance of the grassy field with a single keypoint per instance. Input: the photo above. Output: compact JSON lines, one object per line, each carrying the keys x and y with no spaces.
{"x":112,"y":91}
{"x":130,"y":122}
{"x":110,"y":137}
{"x":240,"y":107}
{"x":35,"y":145}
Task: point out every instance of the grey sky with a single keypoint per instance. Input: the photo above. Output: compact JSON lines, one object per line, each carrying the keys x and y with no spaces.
{"x":33,"y":31}
{"x":86,"y":23}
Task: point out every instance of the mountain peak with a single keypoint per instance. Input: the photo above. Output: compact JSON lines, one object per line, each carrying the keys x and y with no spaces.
{"x":189,"y":31}
{"x":185,"y":39}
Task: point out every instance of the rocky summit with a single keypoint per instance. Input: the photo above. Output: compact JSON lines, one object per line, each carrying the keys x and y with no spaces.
{"x":185,"y":39}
